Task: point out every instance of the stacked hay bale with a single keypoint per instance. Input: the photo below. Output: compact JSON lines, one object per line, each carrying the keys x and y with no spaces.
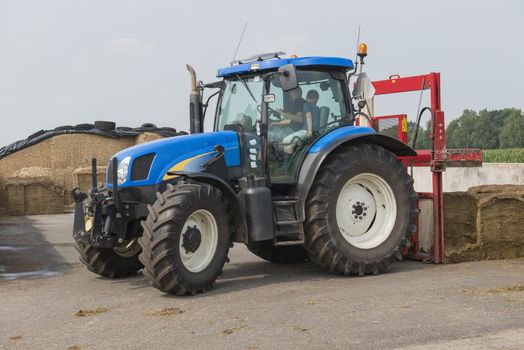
{"x":485,"y":222}
{"x":34,"y":190}
{"x":38,"y":179}
{"x":83,"y":178}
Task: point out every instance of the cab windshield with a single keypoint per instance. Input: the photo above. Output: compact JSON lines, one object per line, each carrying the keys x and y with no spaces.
{"x":240,"y":102}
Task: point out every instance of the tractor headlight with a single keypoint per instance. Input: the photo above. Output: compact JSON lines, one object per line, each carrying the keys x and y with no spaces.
{"x":123,"y":170}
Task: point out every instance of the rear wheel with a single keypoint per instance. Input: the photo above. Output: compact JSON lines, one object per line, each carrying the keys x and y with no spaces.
{"x":186,"y":238}
{"x":360,"y":211}
{"x":117,"y":262}
{"x":278,"y":254}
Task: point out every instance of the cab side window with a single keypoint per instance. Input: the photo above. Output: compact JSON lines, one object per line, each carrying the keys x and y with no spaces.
{"x":321,"y":99}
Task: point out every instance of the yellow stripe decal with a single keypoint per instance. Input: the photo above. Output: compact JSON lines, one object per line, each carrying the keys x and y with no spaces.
{"x":181,"y":165}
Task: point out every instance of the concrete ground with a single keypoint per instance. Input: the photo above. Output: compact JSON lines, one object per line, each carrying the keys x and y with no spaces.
{"x":255,"y":305}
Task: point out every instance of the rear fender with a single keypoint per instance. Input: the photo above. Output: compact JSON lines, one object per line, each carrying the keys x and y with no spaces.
{"x":321,"y":149}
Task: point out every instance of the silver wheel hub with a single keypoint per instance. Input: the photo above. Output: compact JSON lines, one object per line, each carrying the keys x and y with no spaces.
{"x":128,"y":248}
{"x":366,"y":210}
{"x":198,"y":243}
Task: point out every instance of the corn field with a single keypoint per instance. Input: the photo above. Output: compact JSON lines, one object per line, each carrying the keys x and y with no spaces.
{"x":509,"y":155}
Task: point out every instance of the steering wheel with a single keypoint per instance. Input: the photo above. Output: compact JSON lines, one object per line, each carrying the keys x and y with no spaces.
{"x":272,"y":112}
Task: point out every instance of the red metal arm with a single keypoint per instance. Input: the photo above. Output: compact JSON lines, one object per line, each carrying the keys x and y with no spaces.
{"x":437,"y":156}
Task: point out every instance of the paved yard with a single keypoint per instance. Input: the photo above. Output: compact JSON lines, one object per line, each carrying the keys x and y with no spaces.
{"x":255,"y":305}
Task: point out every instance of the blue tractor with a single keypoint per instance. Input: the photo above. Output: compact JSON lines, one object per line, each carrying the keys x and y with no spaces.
{"x":285,"y":172}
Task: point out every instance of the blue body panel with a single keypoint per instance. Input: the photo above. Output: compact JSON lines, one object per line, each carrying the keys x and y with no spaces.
{"x":276,"y":63}
{"x":325,"y":142}
{"x":173,"y":150}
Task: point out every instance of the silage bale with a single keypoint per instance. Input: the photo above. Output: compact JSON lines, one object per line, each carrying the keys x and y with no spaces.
{"x":460,"y":228}
{"x":147,"y":137}
{"x":486,"y":222}
{"x":34,"y":190}
{"x":43,"y":197}
{"x":15,"y":198}
{"x":500,"y":224}
{"x":83,"y":179}
{"x":460,"y":213}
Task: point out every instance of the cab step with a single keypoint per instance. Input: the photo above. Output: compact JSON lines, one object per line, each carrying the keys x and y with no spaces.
{"x":288,"y":221}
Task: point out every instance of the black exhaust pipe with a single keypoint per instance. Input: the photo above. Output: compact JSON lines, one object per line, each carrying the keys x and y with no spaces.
{"x":94,"y":175}
{"x":196,"y":122}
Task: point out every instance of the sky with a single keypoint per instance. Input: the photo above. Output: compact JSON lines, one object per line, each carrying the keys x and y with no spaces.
{"x":76,"y":61}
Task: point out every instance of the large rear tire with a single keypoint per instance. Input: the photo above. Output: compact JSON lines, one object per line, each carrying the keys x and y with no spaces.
{"x":278,"y":254}
{"x":186,"y":238}
{"x":360,"y":211}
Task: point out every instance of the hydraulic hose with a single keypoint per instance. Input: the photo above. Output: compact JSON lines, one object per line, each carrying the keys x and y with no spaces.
{"x":415,"y":135}
{"x":365,"y":116}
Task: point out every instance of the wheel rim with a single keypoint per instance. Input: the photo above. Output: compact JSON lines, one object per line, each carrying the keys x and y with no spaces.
{"x":196,"y":259}
{"x":366,"y":211}
{"x":128,"y":249}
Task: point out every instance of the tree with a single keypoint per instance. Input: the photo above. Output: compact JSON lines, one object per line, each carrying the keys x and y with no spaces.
{"x":512,"y":133}
{"x":423,"y":140}
{"x":459,"y":133}
{"x":485,"y":129}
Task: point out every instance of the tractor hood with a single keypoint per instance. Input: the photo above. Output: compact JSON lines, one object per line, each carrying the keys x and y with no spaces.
{"x":150,"y":162}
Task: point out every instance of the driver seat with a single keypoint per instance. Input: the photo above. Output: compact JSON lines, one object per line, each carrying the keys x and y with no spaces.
{"x":324,"y":116}
{"x":247,"y":123}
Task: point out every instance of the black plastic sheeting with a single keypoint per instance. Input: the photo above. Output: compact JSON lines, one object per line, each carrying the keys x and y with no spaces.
{"x":120,"y":131}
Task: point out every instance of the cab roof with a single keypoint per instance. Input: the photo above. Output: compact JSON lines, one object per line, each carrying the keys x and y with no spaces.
{"x":275,"y":63}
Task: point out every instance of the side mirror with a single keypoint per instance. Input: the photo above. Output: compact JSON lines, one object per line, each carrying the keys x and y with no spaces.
{"x":364,"y":89}
{"x":261,"y":128}
{"x":288,"y":77}
{"x":269,"y":98}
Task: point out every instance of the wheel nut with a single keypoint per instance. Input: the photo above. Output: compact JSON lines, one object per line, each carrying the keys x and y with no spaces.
{"x":356,"y":217}
{"x":360,"y":217}
{"x":354,"y":206}
{"x":364,"y":214}
{"x":358,"y":203}
{"x":365,"y":208}
{"x":352,"y":212}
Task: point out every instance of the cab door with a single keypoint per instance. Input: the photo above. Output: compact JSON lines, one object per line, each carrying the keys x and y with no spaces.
{"x":323,"y":101}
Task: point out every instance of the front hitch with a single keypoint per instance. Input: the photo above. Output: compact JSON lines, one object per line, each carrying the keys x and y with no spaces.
{"x":89,"y":226}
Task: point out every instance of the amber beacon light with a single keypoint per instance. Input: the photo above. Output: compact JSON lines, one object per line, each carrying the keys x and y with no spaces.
{"x":362,"y":50}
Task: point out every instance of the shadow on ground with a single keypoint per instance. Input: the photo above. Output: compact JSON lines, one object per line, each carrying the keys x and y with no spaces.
{"x":259,"y":273}
{"x":24,"y":251}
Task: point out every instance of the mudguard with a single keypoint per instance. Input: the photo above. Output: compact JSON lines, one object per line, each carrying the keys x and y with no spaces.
{"x":237,"y":210}
{"x":319,"y":151}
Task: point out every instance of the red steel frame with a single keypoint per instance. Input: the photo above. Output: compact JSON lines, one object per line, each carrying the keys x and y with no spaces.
{"x":402,"y":120}
{"x":437,"y":158}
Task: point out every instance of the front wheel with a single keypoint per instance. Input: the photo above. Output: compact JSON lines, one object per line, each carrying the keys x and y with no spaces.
{"x":360,"y":210}
{"x":186,"y":238}
{"x":118,"y":262}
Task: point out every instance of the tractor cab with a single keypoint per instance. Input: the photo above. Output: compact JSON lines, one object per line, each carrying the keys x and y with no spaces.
{"x":283,"y":105}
